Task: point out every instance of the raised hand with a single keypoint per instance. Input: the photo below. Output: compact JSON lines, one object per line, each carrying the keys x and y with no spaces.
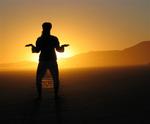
{"x":65,"y":45}
{"x":28,"y":45}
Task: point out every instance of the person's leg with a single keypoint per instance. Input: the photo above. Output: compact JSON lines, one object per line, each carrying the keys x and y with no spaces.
{"x":39,"y":75}
{"x":55,"y":75}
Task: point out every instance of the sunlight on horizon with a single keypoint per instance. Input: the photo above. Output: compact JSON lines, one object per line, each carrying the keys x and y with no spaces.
{"x":60,"y":56}
{"x":87,"y":25}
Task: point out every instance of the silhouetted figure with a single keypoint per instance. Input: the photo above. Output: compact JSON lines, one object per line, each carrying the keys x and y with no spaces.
{"x":46,"y":44}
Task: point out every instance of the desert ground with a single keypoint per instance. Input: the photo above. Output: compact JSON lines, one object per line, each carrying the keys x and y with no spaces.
{"x":87,"y":96}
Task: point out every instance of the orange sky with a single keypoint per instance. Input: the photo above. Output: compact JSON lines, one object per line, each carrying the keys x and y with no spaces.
{"x":87,"y":25}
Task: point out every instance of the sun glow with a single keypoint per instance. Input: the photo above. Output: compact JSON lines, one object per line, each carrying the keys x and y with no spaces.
{"x":35,"y":57}
{"x":63,"y":55}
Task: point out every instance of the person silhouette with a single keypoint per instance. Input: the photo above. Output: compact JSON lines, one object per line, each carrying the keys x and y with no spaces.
{"x":46,"y":44}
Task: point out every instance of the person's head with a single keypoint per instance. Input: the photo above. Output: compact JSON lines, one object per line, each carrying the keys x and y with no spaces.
{"x":46,"y":28}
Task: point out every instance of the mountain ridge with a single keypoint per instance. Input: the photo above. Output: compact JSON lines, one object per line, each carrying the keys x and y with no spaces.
{"x":134,"y":55}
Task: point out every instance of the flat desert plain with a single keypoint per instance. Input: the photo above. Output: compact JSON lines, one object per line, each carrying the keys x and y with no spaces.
{"x":118,"y":95}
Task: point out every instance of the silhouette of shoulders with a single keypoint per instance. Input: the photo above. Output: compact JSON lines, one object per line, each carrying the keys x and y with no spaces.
{"x":47,"y":41}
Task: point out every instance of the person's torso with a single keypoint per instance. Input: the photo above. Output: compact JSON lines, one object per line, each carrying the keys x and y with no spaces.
{"x":47,"y":46}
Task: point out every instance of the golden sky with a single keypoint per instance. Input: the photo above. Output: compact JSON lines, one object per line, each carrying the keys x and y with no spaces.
{"x":87,"y":25}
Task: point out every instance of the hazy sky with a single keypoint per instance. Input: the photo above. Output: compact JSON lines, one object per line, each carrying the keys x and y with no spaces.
{"x":87,"y":25}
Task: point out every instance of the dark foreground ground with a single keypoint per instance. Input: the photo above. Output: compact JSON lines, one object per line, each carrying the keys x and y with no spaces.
{"x":88,"y":96}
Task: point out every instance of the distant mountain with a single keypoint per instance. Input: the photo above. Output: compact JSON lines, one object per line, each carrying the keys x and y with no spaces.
{"x":135,"y":55}
{"x":132,"y":56}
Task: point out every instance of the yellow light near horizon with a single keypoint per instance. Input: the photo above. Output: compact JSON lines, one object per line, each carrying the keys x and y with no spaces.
{"x":35,"y":57}
{"x":63,"y":55}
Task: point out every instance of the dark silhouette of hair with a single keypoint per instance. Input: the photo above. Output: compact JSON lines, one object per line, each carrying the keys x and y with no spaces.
{"x":47,"y":26}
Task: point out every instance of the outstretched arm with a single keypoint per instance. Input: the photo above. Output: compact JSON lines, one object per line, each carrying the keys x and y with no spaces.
{"x":34,"y":49}
{"x":28,"y":45}
{"x":61,"y":48}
